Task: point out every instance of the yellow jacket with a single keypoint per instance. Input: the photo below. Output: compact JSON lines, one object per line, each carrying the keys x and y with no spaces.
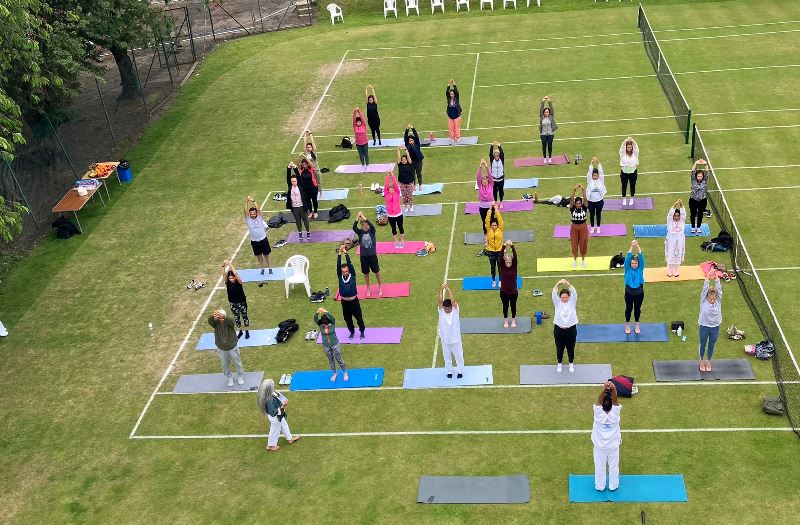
{"x":494,"y":238}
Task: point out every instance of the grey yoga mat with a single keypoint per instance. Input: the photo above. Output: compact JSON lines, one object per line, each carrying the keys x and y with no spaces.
{"x":206,"y":383}
{"x":421,"y":210}
{"x":474,"y":489}
{"x":726,"y":369}
{"x":547,"y":375}
{"x":514,"y":235}
{"x":493,"y":325}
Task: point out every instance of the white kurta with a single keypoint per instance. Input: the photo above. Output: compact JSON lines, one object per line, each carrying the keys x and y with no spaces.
{"x":675,"y":243}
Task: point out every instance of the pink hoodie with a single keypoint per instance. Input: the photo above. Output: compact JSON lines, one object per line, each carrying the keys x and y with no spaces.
{"x":392,"y":200}
{"x":485,"y":192}
{"x":360,"y":131}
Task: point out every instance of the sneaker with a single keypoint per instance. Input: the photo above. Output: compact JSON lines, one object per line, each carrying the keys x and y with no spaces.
{"x":230,"y":381}
{"x":239,"y":335}
{"x":352,"y":334}
{"x":537,"y":293}
{"x":240,"y":380}
{"x":280,"y":243}
{"x":630,"y":202}
{"x":262,"y":271}
{"x":583,"y":263}
{"x":190,"y":285}
{"x":282,"y":380}
{"x":571,"y":368}
{"x":197,"y":286}
{"x":449,"y":376}
{"x":558,"y":368}
{"x":459,"y":376}
{"x":247,"y":334}
{"x":361,"y":335}
{"x":527,"y":197}
{"x":624,"y":201}
{"x":591,"y":229}
{"x":269,"y":271}
{"x":597,"y":230}
{"x":574,"y":264}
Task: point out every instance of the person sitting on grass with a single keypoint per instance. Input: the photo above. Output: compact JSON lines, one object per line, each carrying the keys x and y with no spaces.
{"x":450,"y":333}
{"x":348,"y":293}
{"x":365,"y":231}
{"x":257,"y":227}
{"x":494,"y":240}
{"x":227,"y":344}
{"x":330,"y":343}
{"x":634,"y":286}
{"x":606,"y":437}
{"x":272,"y":405}
{"x":236,"y":298}
{"x":508,"y":283}
{"x":710,"y":318}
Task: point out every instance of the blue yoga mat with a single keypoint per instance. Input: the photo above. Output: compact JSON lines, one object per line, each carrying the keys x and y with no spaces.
{"x":518,"y":184}
{"x":483,"y":283}
{"x":264,"y":337}
{"x":428,"y":189}
{"x":615,"y":333}
{"x":632,"y":489}
{"x":437,"y":377}
{"x":321,"y":379}
{"x":334,"y":195}
{"x":253,"y":275}
{"x":660,"y":230}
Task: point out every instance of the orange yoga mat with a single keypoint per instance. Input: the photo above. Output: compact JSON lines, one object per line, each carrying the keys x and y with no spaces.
{"x":688,"y":273}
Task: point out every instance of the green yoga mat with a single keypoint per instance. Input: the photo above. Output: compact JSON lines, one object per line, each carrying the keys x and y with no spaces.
{"x":564,"y":264}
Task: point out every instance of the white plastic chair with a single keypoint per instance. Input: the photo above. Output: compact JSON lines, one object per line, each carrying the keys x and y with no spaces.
{"x":490,"y":2}
{"x":514,"y":2}
{"x":389,"y":6}
{"x":538,"y":3}
{"x":459,"y":3}
{"x":295,"y":271}
{"x":336,"y":12}
{"x":437,"y":3}
{"x":412,"y":5}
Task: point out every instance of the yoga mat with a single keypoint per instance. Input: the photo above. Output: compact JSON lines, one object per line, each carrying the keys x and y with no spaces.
{"x":547,"y":375}
{"x":483,"y":283}
{"x":337,"y":194}
{"x":387,"y":247}
{"x":262,"y":337}
{"x":437,"y":377}
{"x":660,"y":230}
{"x":639,"y":203}
{"x":474,"y":489}
{"x":513,"y":235}
{"x":632,"y":489}
{"x":564,"y":264}
{"x":688,"y":273}
{"x":322,"y":216}
{"x":422,"y":210}
{"x":372,"y":336}
{"x":615,"y":333}
{"x":321,"y":379}
{"x":428,"y":189}
{"x":322,"y":236}
{"x":518,"y":184}
{"x":529,"y":162}
{"x":372,"y":168}
{"x":387,"y":143}
{"x":727,"y":369}
{"x":253,"y":275}
{"x":494,"y":325}
{"x":390,"y":290}
{"x":606,"y":230}
{"x":508,"y":206}
{"x":210,"y":383}
{"x":445,"y":141}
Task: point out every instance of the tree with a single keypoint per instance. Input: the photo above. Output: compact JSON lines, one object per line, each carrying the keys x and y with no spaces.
{"x":10,"y":219}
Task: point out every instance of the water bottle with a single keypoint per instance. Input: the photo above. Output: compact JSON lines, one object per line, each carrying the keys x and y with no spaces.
{"x":327,"y":291}
{"x":150,"y":329}
{"x":680,"y":331}
{"x":538,"y":317}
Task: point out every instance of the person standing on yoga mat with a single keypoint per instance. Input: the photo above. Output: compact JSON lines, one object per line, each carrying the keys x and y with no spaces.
{"x":595,"y":192}
{"x":227,"y":344}
{"x":405,"y":178}
{"x":310,"y":153}
{"x":450,"y":333}
{"x":308,"y":184}
{"x":606,"y":437}
{"x":453,"y":111}
{"x":414,"y":151}
{"x":257,"y":227}
{"x":634,"y":286}
{"x":362,"y":142}
{"x":297,"y":202}
{"x":629,"y":166}
{"x":698,"y":199}
{"x":498,"y":169}
{"x":547,"y":128}
{"x":348,"y":293}
{"x":508,"y":283}
{"x":365,"y":231}
{"x":391,"y":194}
{"x":330,"y":343}
{"x":565,"y":322}
{"x":485,"y":192}
{"x":272,"y":405}
{"x":675,"y":243}
{"x":710,"y":319}
{"x":494,"y":240}
{"x":578,"y":231}
{"x":373,"y":118}
{"x":236,"y":298}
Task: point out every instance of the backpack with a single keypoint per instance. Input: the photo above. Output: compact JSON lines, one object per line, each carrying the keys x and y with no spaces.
{"x":277,"y":221}
{"x":773,"y":406}
{"x":764,"y":350}
{"x":617,"y":261}
{"x":64,"y":228}
{"x":338,"y":213}
{"x":381,"y":216}
{"x":346,"y":143}
{"x":286,"y":329}
{"x":624,"y":385}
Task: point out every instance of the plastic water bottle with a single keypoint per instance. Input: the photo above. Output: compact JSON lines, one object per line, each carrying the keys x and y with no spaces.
{"x":327,"y":291}
{"x":680,"y":331}
{"x":150,"y":331}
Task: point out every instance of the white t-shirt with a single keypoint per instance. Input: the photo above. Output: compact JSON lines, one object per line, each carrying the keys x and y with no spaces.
{"x":450,"y":326}
{"x":605,"y":429}
{"x":257,"y":227}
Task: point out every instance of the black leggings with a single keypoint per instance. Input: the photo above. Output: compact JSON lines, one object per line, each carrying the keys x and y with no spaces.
{"x":565,"y":338}
{"x":300,"y":217}
{"x":512,"y":300}
{"x":375,"y":129}
{"x":633,"y":302}
{"x":483,"y":212}
{"x":397,"y":224}
{"x":499,"y":190}
{"x":494,"y":258}
{"x":547,"y":145}
{"x":363,"y":154}
{"x":626,"y":178}
{"x":417,"y":165}
{"x":352,"y":309}
{"x":312,"y":192}
{"x":696,"y":209}
{"x":595,"y":210}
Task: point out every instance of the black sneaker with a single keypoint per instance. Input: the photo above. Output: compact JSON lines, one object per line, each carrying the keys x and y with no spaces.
{"x":247,"y":334}
{"x":459,"y":376}
{"x":239,"y":335}
{"x":449,"y":376}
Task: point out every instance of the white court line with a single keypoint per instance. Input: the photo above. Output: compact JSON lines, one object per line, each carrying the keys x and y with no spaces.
{"x":472,"y":93}
{"x":446,"y":273}
{"x":749,"y":128}
{"x":777,"y":269}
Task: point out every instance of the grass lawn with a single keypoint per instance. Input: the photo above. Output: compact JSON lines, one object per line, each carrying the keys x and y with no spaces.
{"x":79,"y":366}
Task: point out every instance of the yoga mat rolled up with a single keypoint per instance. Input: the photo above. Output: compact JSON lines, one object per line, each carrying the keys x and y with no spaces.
{"x":606,"y":230}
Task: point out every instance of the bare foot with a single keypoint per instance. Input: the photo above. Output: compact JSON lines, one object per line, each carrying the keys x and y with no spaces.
{"x":513,"y":323}
{"x":501,"y":205}
{"x":345,"y":376}
{"x":505,"y":323}
{"x":636,"y":329}
{"x":708,"y":366}
{"x":295,"y":438}
{"x":627,"y":328}
{"x":702,"y":366}
{"x":380,"y":291}
{"x":273,"y":449}
{"x":334,"y":376}
{"x":369,"y":292}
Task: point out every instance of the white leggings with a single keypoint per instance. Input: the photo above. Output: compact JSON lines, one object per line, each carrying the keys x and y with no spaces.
{"x":603,"y":457}
{"x":275,"y":428}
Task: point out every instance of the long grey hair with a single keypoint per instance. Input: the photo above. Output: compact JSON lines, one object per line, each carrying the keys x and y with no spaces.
{"x":265,"y":391}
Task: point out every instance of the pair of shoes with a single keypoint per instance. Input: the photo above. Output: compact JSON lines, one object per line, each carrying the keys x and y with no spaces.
{"x":279,"y":197}
{"x":422,"y":253}
{"x":285,"y":379}
{"x":537,"y":293}
{"x":311,"y":335}
{"x":190,"y":285}
{"x":545,"y":315}
{"x":527,"y":197}
{"x":317,"y":297}
{"x":280,"y":244}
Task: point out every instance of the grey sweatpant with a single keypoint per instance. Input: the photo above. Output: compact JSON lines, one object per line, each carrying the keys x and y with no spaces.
{"x":333,"y":353}
{"x":225,"y":357}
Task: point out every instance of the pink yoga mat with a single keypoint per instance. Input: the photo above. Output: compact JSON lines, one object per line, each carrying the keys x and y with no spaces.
{"x":529,"y":162}
{"x":606,"y":230}
{"x":639,"y":203}
{"x":322,"y":236}
{"x":389,"y":290}
{"x":372,"y":336}
{"x":384,"y":247}
{"x":358,"y":168}
{"x":472,"y":207}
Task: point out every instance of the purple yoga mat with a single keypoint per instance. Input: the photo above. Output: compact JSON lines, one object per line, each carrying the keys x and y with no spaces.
{"x":323,"y":236}
{"x":358,"y":168}
{"x":606,"y":230}
{"x":472,"y":207}
{"x":372,"y":336}
{"x":539,"y":161}
{"x":639,"y":203}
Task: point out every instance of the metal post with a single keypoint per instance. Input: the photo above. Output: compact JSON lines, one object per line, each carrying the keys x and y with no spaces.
{"x":191,"y":34}
{"x":166,"y":58}
{"x":61,"y":145}
{"x":21,"y":192}
{"x":694,"y":139}
{"x":253,"y":15}
{"x":688,"y":124}
{"x":105,"y":111}
{"x":139,"y":81}
{"x":260,"y":16}
{"x":211,"y":20}
{"x":284,"y":15}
